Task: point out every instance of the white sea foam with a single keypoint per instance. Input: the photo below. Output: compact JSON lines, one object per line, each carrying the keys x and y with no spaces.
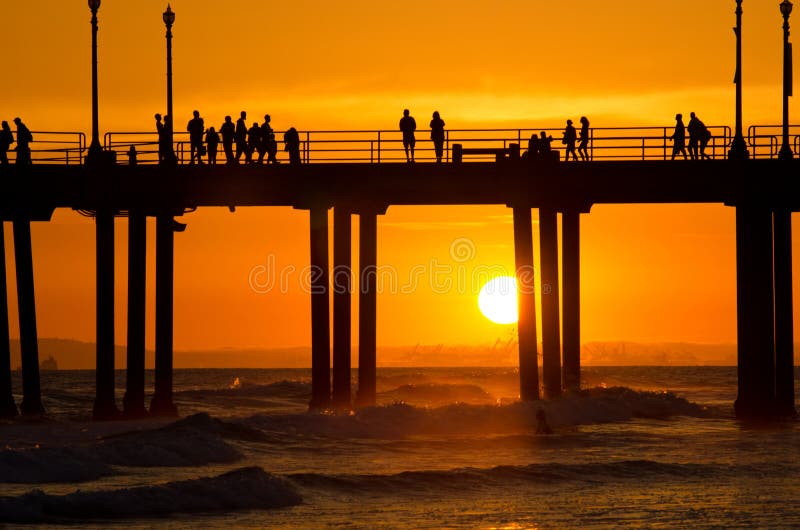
{"x":245,"y":488}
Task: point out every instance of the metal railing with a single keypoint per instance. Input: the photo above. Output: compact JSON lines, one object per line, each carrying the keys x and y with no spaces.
{"x":765,"y":141}
{"x":384,"y":146}
{"x":54,"y":147}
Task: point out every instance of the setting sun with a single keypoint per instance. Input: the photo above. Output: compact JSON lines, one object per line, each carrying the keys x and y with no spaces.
{"x":498,"y":300}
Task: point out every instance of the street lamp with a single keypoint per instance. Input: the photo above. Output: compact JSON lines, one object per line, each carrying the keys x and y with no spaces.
{"x":94,"y":148}
{"x":169,"y":20}
{"x":786,"y":149}
{"x":738,"y":149}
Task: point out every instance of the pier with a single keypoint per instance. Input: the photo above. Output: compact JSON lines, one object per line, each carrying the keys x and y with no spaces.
{"x":354,"y":176}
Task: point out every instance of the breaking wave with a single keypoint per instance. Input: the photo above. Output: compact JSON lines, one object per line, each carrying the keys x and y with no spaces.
{"x":476,"y":479}
{"x":398,"y":420}
{"x":162,"y":447}
{"x":241,"y":489}
{"x":437,"y":392}
{"x":283,"y":389}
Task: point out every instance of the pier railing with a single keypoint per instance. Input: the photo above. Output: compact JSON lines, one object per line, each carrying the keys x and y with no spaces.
{"x":386,"y":146}
{"x":54,"y":147}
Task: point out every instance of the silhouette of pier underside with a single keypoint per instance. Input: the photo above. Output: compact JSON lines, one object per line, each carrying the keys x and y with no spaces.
{"x":762,"y":191}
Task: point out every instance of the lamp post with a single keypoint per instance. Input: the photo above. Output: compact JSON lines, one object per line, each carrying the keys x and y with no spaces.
{"x":786,"y":149}
{"x":169,"y":20}
{"x":738,"y":149}
{"x":94,"y":148}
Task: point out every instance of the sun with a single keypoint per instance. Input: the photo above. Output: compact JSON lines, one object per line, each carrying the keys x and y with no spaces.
{"x":498,"y":300}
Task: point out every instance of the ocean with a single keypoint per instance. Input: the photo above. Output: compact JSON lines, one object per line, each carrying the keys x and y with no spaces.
{"x":641,"y":447}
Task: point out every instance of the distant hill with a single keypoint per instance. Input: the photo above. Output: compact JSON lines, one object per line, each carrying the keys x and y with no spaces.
{"x":73,"y":355}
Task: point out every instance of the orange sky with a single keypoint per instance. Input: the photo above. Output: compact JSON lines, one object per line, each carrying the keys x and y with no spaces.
{"x":650,"y":273}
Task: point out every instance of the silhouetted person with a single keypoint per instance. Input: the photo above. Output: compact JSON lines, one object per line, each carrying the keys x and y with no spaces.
{"x":266,"y":132}
{"x":161,"y":136}
{"x":542,"y":426}
{"x":196,"y":128}
{"x":679,"y":137}
{"x":570,"y":137}
{"x":705,"y":137}
{"x":169,"y":149}
{"x":272,"y":148}
{"x":253,"y":142}
{"x":212,"y":141}
{"x":24,"y":138}
{"x":584,"y":139}
{"x":228,"y":131}
{"x":437,"y":135}
{"x":695,"y":129}
{"x":6,"y":139}
{"x":291,"y":140}
{"x":408,"y":125}
{"x":533,"y":148}
{"x":545,"y":149}
{"x":241,"y":136}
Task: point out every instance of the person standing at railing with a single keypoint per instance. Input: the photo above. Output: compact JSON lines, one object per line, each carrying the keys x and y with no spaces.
{"x":196,"y":128}
{"x":679,"y":137}
{"x":228,"y":131}
{"x":253,"y":142}
{"x":162,"y":154}
{"x":695,"y":128}
{"x":291,"y":140}
{"x":584,"y":137}
{"x":212,"y":141}
{"x":241,"y":137}
{"x":570,"y":137}
{"x":166,"y":140}
{"x":545,"y":147}
{"x":24,"y":138}
{"x":266,"y":134}
{"x":408,"y":125}
{"x":6,"y":139}
{"x":437,"y":136}
{"x":268,"y":138}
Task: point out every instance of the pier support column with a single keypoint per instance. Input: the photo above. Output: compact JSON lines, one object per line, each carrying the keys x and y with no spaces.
{"x":342,"y":293}
{"x":8,"y":409}
{"x":367,"y":308}
{"x":526,"y":324}
{"x":571,"y":275}
{"x":26,"y":302}
{"x":551,"y":325}
{"x":104,"y":406}
{"x":784,"y":312}
{"x":133,"y":402}
{"x":320,"y":312}
{"x":755,"y":312}
{"x":165,"y":254}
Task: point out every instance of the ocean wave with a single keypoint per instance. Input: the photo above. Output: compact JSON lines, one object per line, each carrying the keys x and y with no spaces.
{"x":439,"y":392}
{"x":58,"y":464}
{"x":283,"y":389}
{"x":476,"y":479}
{"x":242,"y":489}
{"x":161,"y":447}
{"x":398,"y":420}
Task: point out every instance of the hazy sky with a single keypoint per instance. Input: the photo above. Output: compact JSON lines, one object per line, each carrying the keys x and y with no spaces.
{"x":650,"y":273}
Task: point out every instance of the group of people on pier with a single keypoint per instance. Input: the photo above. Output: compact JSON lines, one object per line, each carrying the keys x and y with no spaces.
{"x":699,"y":136}
{"x":248,"y":141}
{"x":24,"y":139}
{"x":258,"y":142}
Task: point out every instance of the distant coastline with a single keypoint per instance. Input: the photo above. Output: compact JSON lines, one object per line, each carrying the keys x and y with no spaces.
{"x":77,"y":355}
